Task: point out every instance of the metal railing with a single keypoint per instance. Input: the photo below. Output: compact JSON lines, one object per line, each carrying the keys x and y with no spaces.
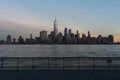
{"x":49,"y":63}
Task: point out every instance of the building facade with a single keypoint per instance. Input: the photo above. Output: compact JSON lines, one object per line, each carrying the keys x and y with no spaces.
{"x":55,"y":30}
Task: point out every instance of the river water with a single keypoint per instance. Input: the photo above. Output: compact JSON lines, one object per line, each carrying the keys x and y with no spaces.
{"x":59,"y":50}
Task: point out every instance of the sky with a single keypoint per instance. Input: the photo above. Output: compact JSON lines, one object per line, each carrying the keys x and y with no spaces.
{"x":23,"y":17}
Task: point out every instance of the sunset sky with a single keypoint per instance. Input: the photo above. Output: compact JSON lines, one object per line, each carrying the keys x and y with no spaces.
{"x":23,"y":17}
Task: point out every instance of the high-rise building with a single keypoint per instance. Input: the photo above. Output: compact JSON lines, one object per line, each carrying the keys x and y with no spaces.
{"x":9,"y":39}
{"x":78,"y":37}
{"x":65,"y":35}
{"x":70,"y":36}
{"x":88,"y":41}
{"x":55,"y":30}
{"x":20,"y":40}
{"x":51,"y":37}
{"x":99,"y":39}
{"x":83,"y":39}
{"x":70,"y":31}
{"x":60,"y":38}
{"x":43,"y":35}
{"x":104,"y":40}
{"x":30,"y":36}
{"x":14,"y":41}
{"x":30,"y":41}
{"x":110,"y":39}
{"x":73,"y":38}
{"x":89,"y":35}
{"x":93,"y":40}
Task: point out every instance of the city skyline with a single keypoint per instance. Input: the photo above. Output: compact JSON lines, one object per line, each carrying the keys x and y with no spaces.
{"x":56,"y":37}
{"x":28,"y":16}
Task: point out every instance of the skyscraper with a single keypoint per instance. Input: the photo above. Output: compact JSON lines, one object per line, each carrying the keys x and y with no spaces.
{"x":9,"y":39}
{"x":60,"y":38}
{"x":78,"y":36}
{"x":89,"y":35}
{"x":110,"y":39}
{"x":66,"y":35}
{"x":69,"y":36}
{"x":43,"y":35}
{"x":55,"y":30}
{"x":30,"y":36}
{"x":99,"y":39}
{"x":83,"y":39}
{"x":89,"y":38}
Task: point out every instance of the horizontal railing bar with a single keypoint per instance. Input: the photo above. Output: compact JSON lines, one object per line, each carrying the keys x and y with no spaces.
{"x":55,"y":57}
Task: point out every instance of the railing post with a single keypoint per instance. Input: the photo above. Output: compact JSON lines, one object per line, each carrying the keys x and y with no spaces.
{"x":78,"y":62}
{"x":109,"y":62}
{"x":17,"y":63}
{"x":63,"y":63}
{"x":93,"y":62}
{"x":48,"y":63}
{"x":33,"y":63}
{"x":2,"y":60}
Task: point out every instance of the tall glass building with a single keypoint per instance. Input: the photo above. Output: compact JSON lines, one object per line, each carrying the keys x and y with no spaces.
{"x":55,"y":29}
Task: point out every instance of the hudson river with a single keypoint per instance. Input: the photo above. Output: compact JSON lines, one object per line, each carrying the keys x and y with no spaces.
{"x":59,"y":50}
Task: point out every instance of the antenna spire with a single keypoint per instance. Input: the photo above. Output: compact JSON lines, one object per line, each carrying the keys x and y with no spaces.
{"x":55,"y":17}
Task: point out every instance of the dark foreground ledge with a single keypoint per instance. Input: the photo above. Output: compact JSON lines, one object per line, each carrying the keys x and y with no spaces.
{"x":59,"y":74}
